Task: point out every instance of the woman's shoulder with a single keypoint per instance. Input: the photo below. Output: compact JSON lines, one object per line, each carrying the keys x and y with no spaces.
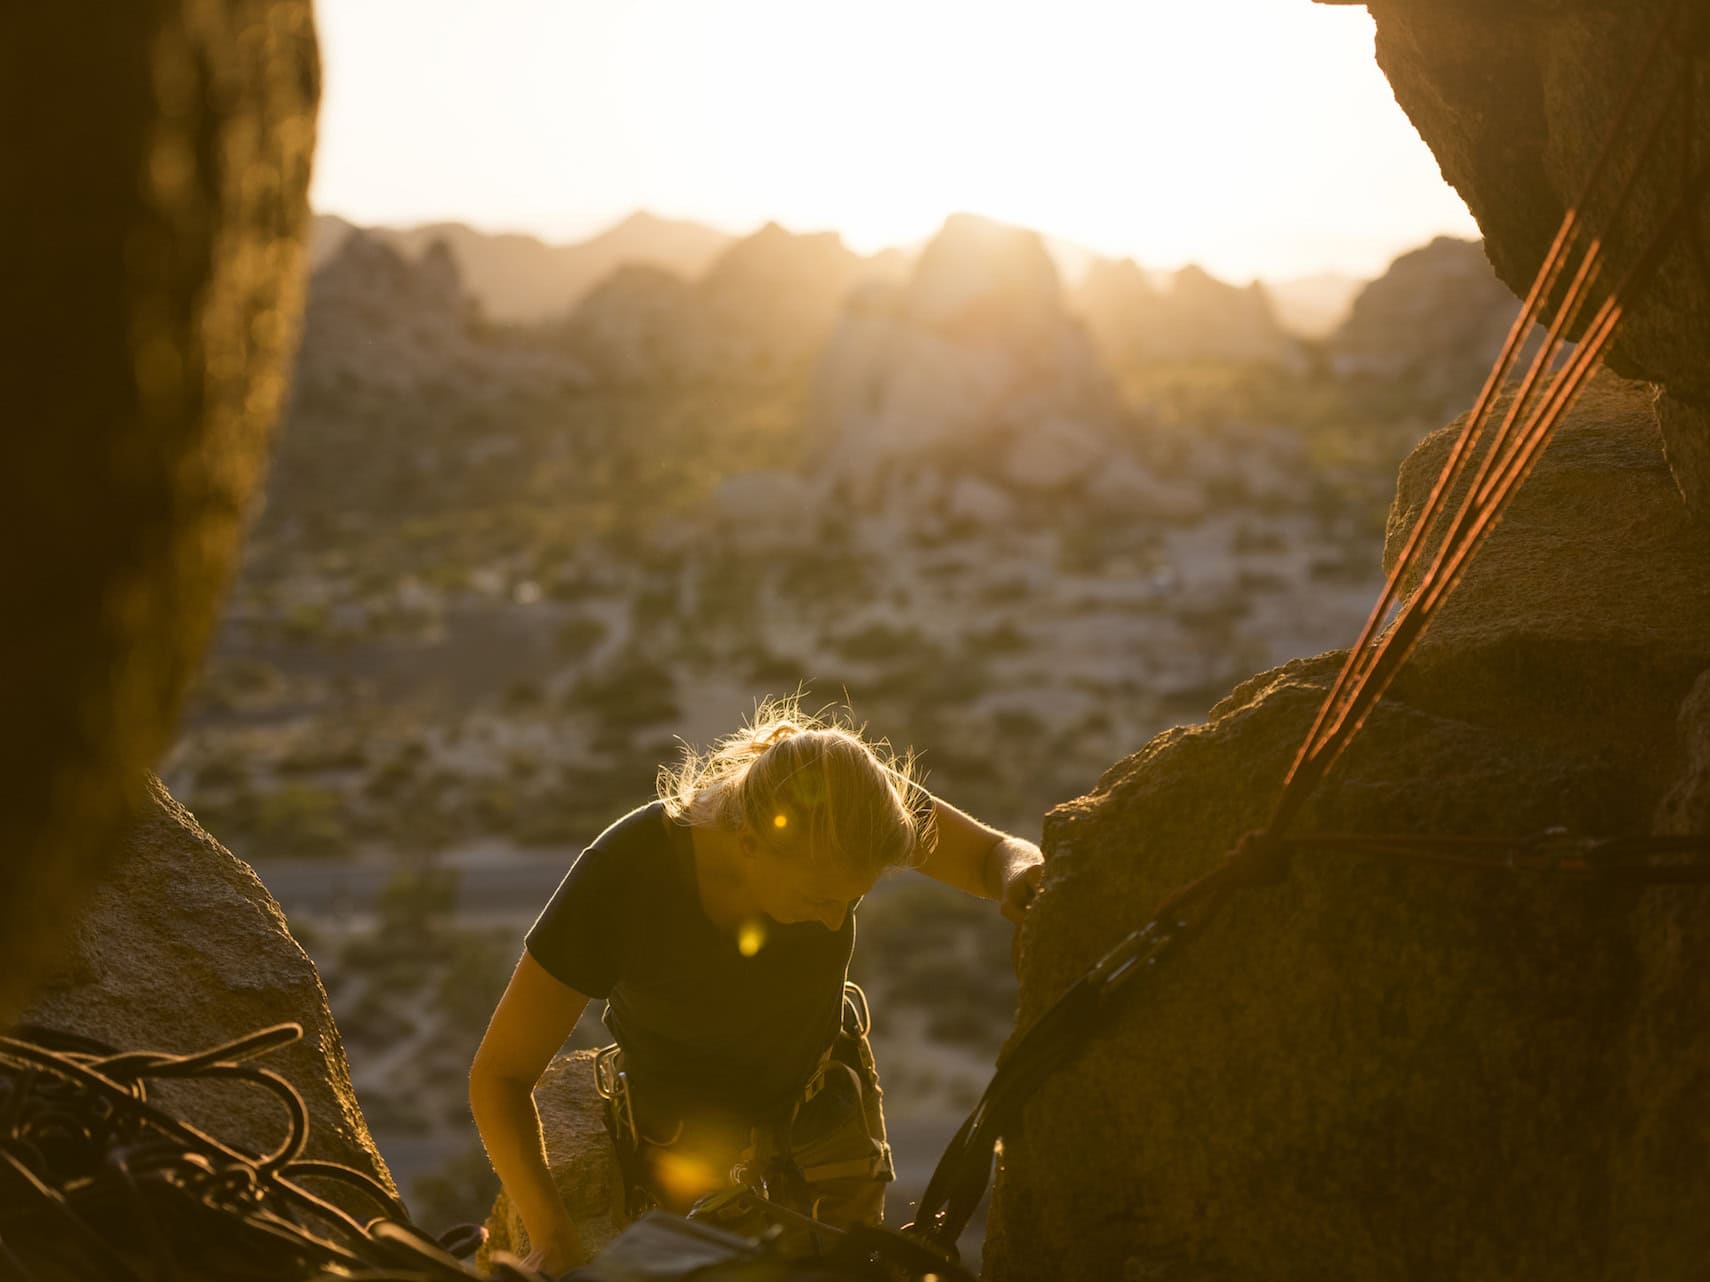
{"x":646,"y":835}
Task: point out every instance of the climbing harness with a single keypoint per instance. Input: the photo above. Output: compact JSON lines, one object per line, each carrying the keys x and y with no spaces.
{"x":768,"y":1174}
{"x":1262,"y":857}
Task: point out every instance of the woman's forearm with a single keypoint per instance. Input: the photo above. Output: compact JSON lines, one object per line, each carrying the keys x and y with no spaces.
{"x":509,"y":1124}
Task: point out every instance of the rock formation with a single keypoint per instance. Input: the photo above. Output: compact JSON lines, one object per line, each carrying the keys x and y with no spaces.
{"x":1382,"y":1069}
{"x":764,"y":307}
{"x":519,"y":279}
{"x":1515,"y":99}
{"x":1196,"y":318}
{"x":972,"y":353}
{"x":152,"y":290}
{"x":388,"y":324}
{"x":1425,"y":333}
{"x":182,"y":949}
{"x":638,"y":326}
{"x":580,"y":1153}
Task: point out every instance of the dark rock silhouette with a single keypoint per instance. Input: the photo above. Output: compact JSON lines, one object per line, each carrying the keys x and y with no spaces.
{"x":153,"y":277}
{"x":1515,"y":100}
{"x":1379,"y":1069}
{"x":1425,"y":333}
{"x":182,"y":948}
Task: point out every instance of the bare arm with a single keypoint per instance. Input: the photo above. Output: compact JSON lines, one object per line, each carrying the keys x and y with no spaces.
{"x":533,"y":1018}
{"x":979,"y":859}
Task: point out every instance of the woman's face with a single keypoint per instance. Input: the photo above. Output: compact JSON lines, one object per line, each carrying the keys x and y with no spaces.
{"x":790,"y":889}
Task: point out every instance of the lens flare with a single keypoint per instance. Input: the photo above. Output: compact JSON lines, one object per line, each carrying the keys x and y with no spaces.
{"x":750,"y":936}
{"x":683,"y":1177}
{"x":780,"y":821}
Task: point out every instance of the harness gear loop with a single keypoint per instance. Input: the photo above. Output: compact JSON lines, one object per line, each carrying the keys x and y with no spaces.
{"x":766,"y":1173}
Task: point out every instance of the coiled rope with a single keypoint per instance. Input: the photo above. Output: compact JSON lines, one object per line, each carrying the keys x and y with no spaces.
{"x":98,"y":1183}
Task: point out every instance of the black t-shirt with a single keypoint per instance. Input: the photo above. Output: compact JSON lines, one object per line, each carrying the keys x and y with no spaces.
{"x":700,"y":1024}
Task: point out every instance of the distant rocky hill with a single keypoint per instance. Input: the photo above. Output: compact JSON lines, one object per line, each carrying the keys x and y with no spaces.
{"x":1195,"y":318}
{"x":382,"y":323}
{"x":766,"y":304}
{"x":519,"y":278}
{"x":973,"y":355}
{"x":1426,"y":331}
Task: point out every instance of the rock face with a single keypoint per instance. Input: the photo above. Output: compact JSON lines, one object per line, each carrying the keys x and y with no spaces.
{"x":764,"y":306}
{"x":518,"y":279}
{"x":388,"y":323}
{"x":152,"y":290}
{"x":182,"y":949}
{"x":637,"y":326}
{"x":1387,"y":1070}
{"x":1428,"y":329}
{"x":580,"y":1154}
{"x":1197,"y":318}
{"x":972,"y":353}
{"x":1515,"y":99}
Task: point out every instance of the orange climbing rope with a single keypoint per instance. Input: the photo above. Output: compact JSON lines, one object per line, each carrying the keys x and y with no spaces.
{"x":1489,"y":481}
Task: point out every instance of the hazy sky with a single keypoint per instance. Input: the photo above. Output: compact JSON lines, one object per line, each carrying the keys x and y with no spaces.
{"x":1255,"y":137}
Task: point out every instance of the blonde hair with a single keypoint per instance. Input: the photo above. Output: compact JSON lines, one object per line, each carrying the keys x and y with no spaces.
{"x":808,"y":787}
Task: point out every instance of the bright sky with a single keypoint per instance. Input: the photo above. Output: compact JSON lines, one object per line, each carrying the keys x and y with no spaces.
{"x":1255,"y":137}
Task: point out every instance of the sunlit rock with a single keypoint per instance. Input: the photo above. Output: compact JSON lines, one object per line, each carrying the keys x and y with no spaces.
{"x":580,"y":1154}
{"x":153,"y":264}
{"x":1385,"y":1069}
{"x":763,"y":307}
{"x":773,"y":297}
{"x":966,"y":360}
{"x":638,"y":325}
{"x":181,"y":949}
{"x":1194,"y":317}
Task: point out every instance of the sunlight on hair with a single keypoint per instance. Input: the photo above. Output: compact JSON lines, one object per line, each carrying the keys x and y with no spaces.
{"x":750,"y":936}
{"x":685,"y":1177}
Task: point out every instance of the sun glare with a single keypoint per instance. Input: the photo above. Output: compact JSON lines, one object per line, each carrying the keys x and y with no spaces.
{"x":1252,"y":136}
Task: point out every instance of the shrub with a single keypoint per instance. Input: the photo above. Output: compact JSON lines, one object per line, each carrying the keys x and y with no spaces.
{"x":631,"y":691}
{"x":580,"y":635}
{"x":300,"y":819}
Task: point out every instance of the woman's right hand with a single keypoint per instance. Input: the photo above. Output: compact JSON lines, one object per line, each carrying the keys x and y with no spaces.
{"x":556,"y":1255}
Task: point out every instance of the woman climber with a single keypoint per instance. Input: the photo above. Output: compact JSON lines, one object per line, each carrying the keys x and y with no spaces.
{"x":717,"y":923}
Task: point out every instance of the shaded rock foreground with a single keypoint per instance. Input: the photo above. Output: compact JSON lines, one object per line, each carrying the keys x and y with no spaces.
{"x":1377,"y":1069}
{"x":152,"y":292}
{"x":1515,"y":98}
{"x":183,"y":949}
